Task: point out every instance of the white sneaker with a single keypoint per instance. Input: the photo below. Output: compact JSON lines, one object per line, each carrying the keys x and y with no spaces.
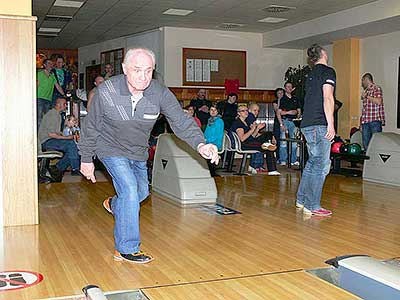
{"x":298,"y":205}
{"x":282,"y":163}
{"x":296,"y":163}
{"x":274,"y":173}
{"x":251,"y":170}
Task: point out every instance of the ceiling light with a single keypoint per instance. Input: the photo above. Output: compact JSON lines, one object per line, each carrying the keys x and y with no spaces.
{"x":49,"y":29}
{"x":229,"y":26}
{"x":177,"y":12}
{"x":67,"y":3}
{"x":278,"y":8}
{"x":272,"y":20}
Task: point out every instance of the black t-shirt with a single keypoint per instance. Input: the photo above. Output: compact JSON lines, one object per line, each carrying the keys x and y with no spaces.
{"x":228,"y":112}
{"x":314,"y":113}
{"x":239,"y":124}
{"x":287,"y":104}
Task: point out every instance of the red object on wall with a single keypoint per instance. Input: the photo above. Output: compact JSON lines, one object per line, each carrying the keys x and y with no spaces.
{"x":231,"y":86}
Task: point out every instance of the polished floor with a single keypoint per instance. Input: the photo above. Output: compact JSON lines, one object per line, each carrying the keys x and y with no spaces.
{"x":261,"y":252}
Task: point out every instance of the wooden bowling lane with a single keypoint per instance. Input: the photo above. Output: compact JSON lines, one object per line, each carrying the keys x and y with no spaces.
{"x":73,"y":244}
{"x":284,"y":286}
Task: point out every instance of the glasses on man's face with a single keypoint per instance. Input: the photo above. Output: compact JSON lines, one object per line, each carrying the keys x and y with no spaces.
{"x":244,"y":110}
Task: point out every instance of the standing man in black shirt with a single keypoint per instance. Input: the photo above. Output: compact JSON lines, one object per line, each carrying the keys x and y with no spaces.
{"x":318,"y":129}
{"x":289,"y":109}
{"x":228,"y":110}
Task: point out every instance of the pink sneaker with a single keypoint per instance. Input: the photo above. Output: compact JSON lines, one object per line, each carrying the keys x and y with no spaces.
{"x":322,"y":212}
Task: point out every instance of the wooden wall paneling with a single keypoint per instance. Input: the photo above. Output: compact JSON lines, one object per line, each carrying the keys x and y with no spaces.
{"x":19,"y":195}
{"x":218,"y":94}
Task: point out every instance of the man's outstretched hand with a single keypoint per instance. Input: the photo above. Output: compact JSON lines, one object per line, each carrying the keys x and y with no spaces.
{"x":209,"y":151}
{"x":87,"y":170}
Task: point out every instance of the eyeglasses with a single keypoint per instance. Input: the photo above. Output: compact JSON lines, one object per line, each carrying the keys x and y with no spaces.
{"x":243,"y":110}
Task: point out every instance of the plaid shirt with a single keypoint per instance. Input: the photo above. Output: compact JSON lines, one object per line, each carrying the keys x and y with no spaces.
{"x":372,"y":111}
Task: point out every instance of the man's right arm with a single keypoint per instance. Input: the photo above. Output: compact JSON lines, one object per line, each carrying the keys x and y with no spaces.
{"x":91,"y":129}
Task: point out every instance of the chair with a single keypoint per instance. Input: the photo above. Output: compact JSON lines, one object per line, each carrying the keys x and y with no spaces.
{"x":229,"y":147}
{"x":245,"y":153}
{"x":44,"y":162}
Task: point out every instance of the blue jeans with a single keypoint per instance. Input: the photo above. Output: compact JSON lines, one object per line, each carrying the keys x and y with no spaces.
{"x":71,"y":156}
{"x":368,"y":129}
{"x":43,"y":106}
{"x":283,"y":153}
{"x":316,"y":169}
{"x":257,"y":160}
{"x":132,"y":187}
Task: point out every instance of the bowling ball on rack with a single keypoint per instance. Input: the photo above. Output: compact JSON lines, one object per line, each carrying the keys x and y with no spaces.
{"x":335,"y":148}
{"x":344,"y":149}
{"x":355,"y":149}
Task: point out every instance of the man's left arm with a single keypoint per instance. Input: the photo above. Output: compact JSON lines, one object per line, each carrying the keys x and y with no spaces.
{"x":185,"y":127}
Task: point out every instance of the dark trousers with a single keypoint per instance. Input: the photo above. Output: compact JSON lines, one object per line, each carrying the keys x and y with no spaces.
{"x":256,"y":145}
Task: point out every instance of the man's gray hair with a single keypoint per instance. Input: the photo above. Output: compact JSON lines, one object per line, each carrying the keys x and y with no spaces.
{"x":133,"y":51}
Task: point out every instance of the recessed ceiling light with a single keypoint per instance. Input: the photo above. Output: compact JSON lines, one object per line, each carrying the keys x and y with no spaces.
{"x":67,"y":3}
{"x":229,"y":26}
{"x":272,"y":20}
{"x":278,"y":8}
{"x":49,"y":29}
{"x":177,"y":12}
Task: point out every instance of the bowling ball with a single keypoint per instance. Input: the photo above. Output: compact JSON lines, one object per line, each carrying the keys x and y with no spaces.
{"x":336,"y":147}
{"x":344,"y":148}
{"x":355,"y":149}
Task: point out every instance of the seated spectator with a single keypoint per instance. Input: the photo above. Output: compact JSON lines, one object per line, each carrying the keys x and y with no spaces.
{"x":201,"y":107}
{"x":190,"y":111}
{"x":50,"y":138}
{"x":214,"y":132}
{"x":252,"y":139}
{"x":228,"y":110}
{"x":71,"y":127}
{"x":257,"y":160}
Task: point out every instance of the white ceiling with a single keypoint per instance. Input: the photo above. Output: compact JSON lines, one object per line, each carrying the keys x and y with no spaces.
{"x":99,"y":20}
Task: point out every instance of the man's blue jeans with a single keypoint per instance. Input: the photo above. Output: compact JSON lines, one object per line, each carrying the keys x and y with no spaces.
{"x":316,"y":169}
{"x":71,"y":156}
{"x":283,"y":153}
{"x":132,"y":187}
{"x":368,"y":129}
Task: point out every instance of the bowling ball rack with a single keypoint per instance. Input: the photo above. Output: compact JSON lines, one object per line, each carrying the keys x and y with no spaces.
{"x":337,"y":159}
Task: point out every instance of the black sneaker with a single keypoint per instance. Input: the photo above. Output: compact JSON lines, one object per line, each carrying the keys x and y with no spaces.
{"x":137,"y":258}
{"x":55,"y":174}
{"x":75,"y":173}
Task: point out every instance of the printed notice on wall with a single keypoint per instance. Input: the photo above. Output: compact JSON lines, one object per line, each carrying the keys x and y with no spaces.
{"x":206,"y":70}
{"x":189,"y":69}
{"x":198,"y":70}
{"x":214,"y":65}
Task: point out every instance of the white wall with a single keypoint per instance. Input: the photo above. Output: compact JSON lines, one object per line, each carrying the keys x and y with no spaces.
{"x":152,"y":40}
{"x":380,"y":57}
{"x":265,"y":66}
